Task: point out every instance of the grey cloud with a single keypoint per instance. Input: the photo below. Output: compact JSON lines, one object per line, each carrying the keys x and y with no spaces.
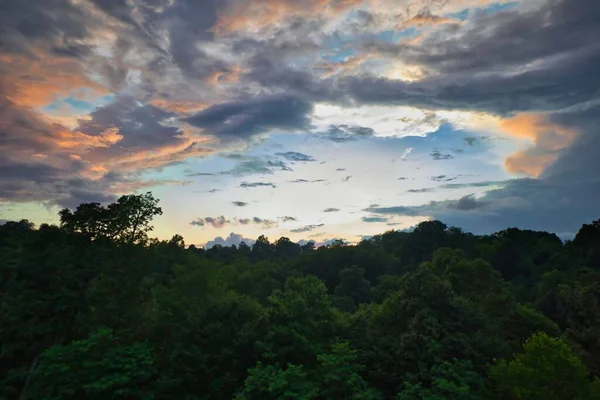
{"x":256,"y":165}
{"x":234,"y":239}
{"x":199,"y":174}
{"x":436,"y":155}
{"x":346,"y":179}
{"x":256,"y":184}
{"x":267,"y":223}
{"x":307,"y":228}
{"x":423,"y":190}
{"x":288,"y":219}
{"x":141,"y":125}
{"x":59,"y":24}
{"x":217,"y":222}
{"x":479,"y":68}
{"x":239,"y":203}
{"x":471,"y":140}
{"x":307,"y":181}
{"x":472,"y":184}
{"x":487,"y":43}
{"x":374,"y":219}
{"x":242,"y":119}
{"x":221,"y":221}
{"x":329,"y":210}
{"x":340,"y":169}
{"x":294,"y":156}
{"x":345,"y":133}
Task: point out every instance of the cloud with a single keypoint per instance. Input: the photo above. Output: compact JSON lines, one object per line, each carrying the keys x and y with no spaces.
{"x":346,"y":179}
{"x":374,"y":219}
{"x":307,"y":228}
{"x":423,"y":190}
{"x":307,"y":181}
{"x":340,"y":169}
{"x":221,"y":221}
{"x":234,"y":239}
{"x":346,"y":133}
{"x":329,"y":210}
{"x":473,"y":184}
{"x":437,"y":156}
{"x":239,"y":203}
{"x":267,"y":223}
{"x":256,"y":184}
{"x":217,"y":222}
{"x":443,"y":178}
{"x":294,"y":156}
{"x":256,"y":165}
{"x":242,"y":119}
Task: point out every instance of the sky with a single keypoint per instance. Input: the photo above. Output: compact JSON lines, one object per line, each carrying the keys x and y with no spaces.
{"x":309,"y":119}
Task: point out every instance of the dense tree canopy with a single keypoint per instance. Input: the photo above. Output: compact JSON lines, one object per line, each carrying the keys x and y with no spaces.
{"x":94,"y":309}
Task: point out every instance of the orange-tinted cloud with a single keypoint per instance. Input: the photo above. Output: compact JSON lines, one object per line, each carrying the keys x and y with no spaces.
{"x":38,"y":82}
{"x":548,"y":140}
{"x":249,"y":14}
{"x":427,"y":18}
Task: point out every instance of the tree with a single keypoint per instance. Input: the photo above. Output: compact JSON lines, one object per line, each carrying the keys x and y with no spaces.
{"x":271,"y":382}
{"x":128,"y":220}
{"x":547,"y":369}
{"x":97,"y":367}
{"x":302,"y":322}
{"x":353,"y":287}
{"x":451,"y":380}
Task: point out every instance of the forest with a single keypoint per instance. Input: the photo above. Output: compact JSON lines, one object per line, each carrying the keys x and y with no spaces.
{"x":94,"y":308}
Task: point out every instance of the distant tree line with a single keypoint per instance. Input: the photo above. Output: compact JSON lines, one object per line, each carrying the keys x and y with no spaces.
{"x":95,"y":309}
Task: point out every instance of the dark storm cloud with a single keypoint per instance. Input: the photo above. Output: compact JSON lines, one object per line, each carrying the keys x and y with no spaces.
{"x":242,"y":119}
{"x":239,"y":203}
{"x":256,"y":184}
{"x":58,"y":24}
{"x":559,"y":42}
{"x":295,"y":156}
{"x":288,"y":219}
{"x":141,"y":125}
{"x":487,"y":43}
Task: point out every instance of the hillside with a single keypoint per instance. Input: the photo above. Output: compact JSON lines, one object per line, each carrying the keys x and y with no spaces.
{"x":94,"y":309}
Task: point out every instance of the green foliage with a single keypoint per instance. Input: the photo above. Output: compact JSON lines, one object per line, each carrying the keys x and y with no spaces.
{"x":270,"y":382}
{"x":547,"y":369}
{"x":94,"y":309}
{"x":301,"y":322}
{"x":336,"y":376}
{"x":127,"y":220}
{"x":98,"y":367}
{"x":451,"y":380}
